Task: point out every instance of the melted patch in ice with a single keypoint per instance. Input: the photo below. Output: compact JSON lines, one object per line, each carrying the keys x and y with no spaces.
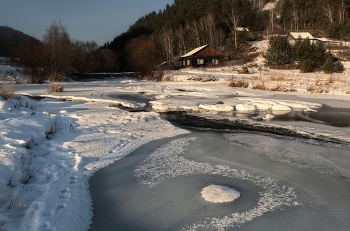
{"x":168,"y":162}
{"x":220,"y":194}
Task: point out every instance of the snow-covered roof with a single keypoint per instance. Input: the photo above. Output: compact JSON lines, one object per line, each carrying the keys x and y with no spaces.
{"x":302,"y":35}
{"x":242,"y":29}
{"x":270,"y":5}
{"x":324,"y":39}
{"x":194,"y":51}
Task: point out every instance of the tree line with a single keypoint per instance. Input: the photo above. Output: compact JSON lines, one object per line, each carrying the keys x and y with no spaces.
{"x":306,"y":55}
{"x":188,"y":24}
{"x":57,"y":54}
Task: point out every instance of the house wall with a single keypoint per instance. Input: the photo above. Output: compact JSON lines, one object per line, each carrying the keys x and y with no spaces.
{"x":205,"y":57}
{"x":198,"y":61}
{"x":290,"y":39}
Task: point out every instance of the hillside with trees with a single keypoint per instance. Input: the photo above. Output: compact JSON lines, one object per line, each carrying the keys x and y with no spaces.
{"x":57,"y":54}
{"x":10,"y":39}
{"x":187,"y":24}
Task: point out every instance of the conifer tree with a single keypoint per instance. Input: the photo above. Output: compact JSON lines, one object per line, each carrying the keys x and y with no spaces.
{"x":328,"y":64}
{"x":279,"y":52}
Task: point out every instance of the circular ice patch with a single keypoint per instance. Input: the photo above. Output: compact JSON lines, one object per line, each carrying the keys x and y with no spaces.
{"x":220,"y":194}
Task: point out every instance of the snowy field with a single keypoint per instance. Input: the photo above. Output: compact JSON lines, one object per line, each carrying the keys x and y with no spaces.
{"x":50,"y":147}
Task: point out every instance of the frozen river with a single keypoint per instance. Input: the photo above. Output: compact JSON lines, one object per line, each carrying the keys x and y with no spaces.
{"x":284,"y":183}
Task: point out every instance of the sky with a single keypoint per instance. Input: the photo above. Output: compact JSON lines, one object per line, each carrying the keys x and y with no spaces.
{"x":85,"y":20}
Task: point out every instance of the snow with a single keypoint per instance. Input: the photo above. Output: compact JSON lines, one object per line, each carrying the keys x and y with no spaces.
{"x":89,"y":137}
{"x":302,"y":35}
{"x":194,"y":51}
{"x":220,"y":194}
{"x":270,"y":5}
{"x":91,"y":134}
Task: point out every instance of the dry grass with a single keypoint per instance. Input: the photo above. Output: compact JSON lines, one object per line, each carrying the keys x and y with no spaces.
{"x":7,"y":91}
{"x":260,"y":86}
{"x":202,"y":79}
{"x":347,"y":91}
{"x":330,"y":80}
{"x":318,"y":88}
{"x":279,"y":78}
{"x":55,"y":88}
{"x":234,"y":82}
{"x":278,"y":88}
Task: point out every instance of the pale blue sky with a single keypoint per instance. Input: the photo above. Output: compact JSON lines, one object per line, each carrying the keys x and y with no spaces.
{"x":87,"y":20}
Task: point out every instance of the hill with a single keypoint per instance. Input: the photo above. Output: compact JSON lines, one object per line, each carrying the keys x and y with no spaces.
{"x":186,"y":24}
{"x":10,"y":39}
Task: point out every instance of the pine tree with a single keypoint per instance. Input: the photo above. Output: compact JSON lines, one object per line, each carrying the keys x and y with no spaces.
{"x":279,"y":52}
{"x":310,"y":56}
{"x":328,"y":64}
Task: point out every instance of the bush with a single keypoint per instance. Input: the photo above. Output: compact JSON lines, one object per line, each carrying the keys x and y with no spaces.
{"x":241,"y":83}
{"x":55,"y":88}
{"x":54,"y":127}
{"x":338,"y":67}
{"x":7,"y":91}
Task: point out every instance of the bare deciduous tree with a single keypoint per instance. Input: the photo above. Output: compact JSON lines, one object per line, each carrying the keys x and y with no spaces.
{"x":142,"y":54}
{"x":110,"y":59}
{"x":31,"y":55}
{"x":58,"y":49}
{"x":327,"y":6}
{"x":232,"y":23}
{"x":342,"y":11}
{"x":166,"y":39}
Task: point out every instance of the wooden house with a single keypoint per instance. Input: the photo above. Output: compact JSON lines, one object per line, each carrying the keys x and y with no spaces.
{"x":200,"y":57}
{"x":292,"y":37}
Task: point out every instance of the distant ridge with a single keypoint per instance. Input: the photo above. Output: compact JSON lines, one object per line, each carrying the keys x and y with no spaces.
{"x":10,"y":39}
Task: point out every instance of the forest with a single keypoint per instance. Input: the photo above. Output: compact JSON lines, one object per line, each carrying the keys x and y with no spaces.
{"x":55,"y":55}
{"x":185,"y":25}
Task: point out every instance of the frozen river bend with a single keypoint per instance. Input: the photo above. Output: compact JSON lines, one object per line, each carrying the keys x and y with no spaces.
{"x":296,"y":179}
{"x":161,"y":188}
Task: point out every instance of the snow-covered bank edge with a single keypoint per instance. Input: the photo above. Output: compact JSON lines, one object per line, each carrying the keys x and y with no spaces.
{"x":90,"y":137}
{"x":191,"y":120}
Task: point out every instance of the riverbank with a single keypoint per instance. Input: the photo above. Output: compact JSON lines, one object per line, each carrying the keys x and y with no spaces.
{"x":92,"y":134}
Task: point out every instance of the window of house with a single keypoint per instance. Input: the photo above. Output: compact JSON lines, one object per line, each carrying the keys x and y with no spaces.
{"x":188,"y":62}
{"x":184,"y":63}
{"x":200,"y":61}
{"x":215,"y":61}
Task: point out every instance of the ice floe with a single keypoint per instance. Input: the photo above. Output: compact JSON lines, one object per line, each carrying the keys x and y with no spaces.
{"x":220,"y":194}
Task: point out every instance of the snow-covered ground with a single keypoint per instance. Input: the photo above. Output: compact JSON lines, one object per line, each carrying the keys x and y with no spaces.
{"x":50,"y":148}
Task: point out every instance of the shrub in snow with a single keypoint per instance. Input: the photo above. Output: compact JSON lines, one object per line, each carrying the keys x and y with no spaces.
{"x":7,"y":91}
{"x":55,"y":88}
{"x":29,"y":169}
{"x":53,"y":128}
{"x":338,"y":67}
{"x":234,"y":82}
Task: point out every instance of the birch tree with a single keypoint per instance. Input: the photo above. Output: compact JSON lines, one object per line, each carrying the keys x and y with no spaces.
{"x":232,"y":23}
{"x":58,"y":50}
{"x":166,"y":39}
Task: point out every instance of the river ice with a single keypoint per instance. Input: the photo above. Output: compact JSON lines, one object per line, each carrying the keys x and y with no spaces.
{"x":159,"y":187}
